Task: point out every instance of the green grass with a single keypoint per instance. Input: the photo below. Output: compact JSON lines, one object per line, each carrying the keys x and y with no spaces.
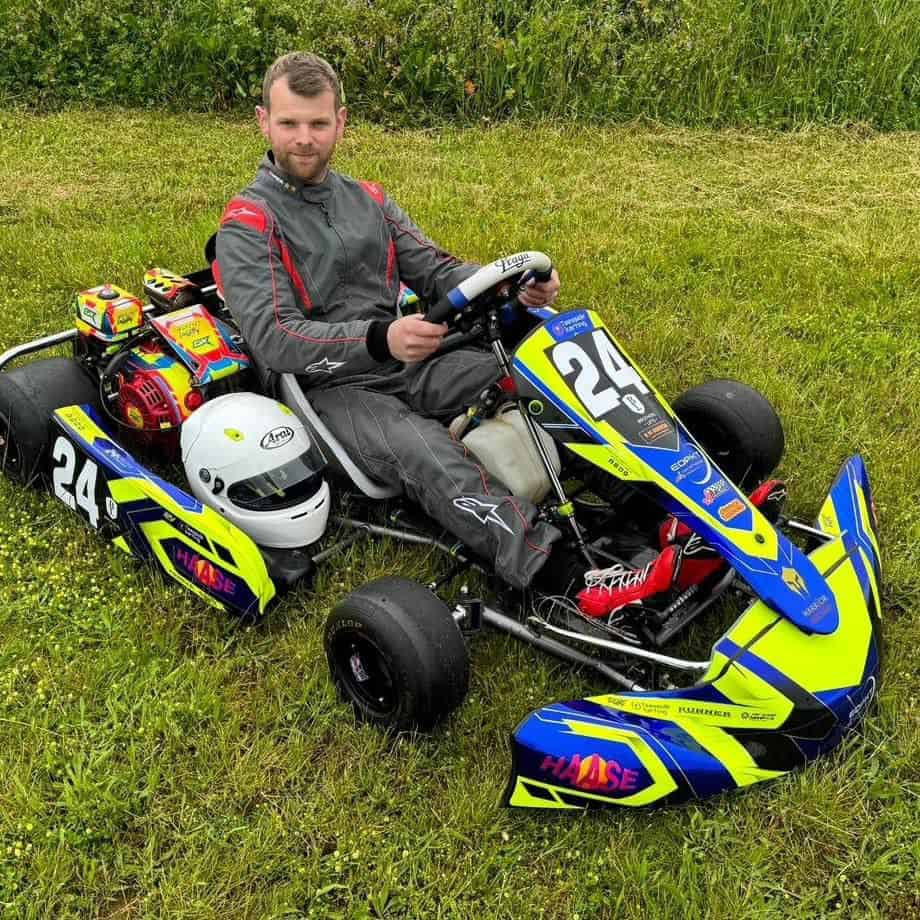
{"x":158,"y":760}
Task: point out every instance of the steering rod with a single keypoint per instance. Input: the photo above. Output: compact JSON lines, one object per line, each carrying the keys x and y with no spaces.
{"x":488,"y":277}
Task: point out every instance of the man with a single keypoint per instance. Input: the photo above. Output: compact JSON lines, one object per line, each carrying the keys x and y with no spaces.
{"x":310,"y":263}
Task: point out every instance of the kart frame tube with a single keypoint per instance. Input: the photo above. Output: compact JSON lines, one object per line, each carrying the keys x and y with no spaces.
{"x":499,"y":620}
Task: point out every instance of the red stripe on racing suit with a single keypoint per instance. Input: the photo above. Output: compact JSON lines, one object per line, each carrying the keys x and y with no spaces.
{"x":375,"y":190}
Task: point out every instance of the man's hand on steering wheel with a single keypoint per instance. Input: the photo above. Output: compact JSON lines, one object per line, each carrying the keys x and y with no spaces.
{"x":413,"y":338}
{"x":540,"y":293}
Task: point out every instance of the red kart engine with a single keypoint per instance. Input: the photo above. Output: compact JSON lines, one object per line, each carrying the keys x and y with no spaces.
{"x":176,"y":360}
{"x":155,"y":396}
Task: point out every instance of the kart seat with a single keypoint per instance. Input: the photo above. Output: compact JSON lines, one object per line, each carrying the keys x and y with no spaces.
{"x":292,"y":395}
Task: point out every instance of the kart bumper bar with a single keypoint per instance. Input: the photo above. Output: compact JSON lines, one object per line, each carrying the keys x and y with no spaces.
{"x":622,"y":648}
{"x":48,"y":341}
{"x":558,"y":649}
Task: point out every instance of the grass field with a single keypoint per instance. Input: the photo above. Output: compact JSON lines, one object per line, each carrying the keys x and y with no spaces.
{"x":158,"y":760}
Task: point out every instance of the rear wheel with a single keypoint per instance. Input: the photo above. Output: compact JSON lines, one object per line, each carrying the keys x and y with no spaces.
{"x":396,"y":655}
{"x":737,"y":426}
{"x":28,"y":397}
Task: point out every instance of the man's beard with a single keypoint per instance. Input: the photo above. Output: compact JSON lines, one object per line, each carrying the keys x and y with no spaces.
{"x":310,"y":169}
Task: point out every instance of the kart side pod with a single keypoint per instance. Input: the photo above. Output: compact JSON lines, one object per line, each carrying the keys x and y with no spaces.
{"x":772,"y":699}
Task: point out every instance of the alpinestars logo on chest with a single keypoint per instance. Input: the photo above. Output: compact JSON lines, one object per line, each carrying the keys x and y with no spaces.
{"x":484,"y":512}
{"x":322,"y":367}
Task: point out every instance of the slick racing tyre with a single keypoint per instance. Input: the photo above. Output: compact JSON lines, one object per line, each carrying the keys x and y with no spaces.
{"x":28,"y":397}
{"x":396,"y":654}
{"x":736,"y":426}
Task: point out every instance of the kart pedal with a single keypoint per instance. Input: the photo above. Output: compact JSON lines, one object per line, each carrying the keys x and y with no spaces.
{"x":611,"y":589}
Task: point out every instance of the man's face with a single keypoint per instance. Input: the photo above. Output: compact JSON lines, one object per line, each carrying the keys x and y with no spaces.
{"x":302,"y":130}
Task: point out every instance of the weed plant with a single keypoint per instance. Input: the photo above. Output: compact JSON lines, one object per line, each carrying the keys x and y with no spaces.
{"x":158,"y":760}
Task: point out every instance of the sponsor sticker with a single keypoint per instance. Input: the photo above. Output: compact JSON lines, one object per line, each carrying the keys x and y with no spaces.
{"x":817,"y":610}
{"x":184,"y":528}
{"x":794,"y":582}
{"x":757,"y":716}
{"x":730,"y":510}
{"x":204,"y":572}
{"x":592,"y":773}
{"x":859,"y":708}
{"x":711,"y":493}
{"x":634,"y":403}
{"x":188,"y":330}
{"x":518,"y":260}
{"x":650,"y":708}
{"x":689,"y":464}
{"x":569,"y":325}
{"x":618,"y":467}
{"x":656,"y":432}
{"x":686,"y":460}
{"x":117,"y":458}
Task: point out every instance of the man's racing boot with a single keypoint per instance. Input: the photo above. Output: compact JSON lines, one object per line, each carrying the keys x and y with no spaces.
{"x":700,"y":560}
{"x":607,"y":590}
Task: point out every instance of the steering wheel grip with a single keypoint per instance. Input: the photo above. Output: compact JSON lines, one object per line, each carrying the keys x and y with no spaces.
{"x":487,"y":277}
{"x":443,"y":310}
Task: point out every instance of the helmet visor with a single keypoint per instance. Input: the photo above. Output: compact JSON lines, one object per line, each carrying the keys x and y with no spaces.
{"x":282,"y":487}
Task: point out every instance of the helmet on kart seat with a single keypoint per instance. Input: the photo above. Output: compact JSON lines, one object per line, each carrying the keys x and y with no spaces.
{"x":251,"y":459}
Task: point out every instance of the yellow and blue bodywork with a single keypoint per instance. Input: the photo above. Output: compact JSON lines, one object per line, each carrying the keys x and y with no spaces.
{"x":786,"y":682}
{"x":153,"y":519}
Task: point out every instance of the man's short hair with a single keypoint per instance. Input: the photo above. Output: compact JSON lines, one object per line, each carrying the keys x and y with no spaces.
{"x":307,"y":75}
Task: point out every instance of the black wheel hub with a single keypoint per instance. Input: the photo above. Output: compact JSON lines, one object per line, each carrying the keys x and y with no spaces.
{"x":364,"y":673}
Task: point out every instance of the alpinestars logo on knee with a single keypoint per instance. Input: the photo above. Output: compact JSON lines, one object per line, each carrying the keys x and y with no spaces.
{"x":484,"y":512}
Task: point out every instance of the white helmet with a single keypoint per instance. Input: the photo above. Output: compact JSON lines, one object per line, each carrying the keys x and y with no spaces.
{"x":251,"y":459}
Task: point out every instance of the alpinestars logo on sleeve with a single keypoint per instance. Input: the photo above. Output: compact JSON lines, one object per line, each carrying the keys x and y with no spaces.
{"x":484,"y":512}
{"x":322,"y":367}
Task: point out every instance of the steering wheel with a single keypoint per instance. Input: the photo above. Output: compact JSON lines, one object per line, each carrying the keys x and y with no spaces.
{"x":508,"y":269}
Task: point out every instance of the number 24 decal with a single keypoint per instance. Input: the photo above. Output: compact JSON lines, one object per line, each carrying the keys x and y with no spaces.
{"x":83,"y":495}
{"x":570,"y":356}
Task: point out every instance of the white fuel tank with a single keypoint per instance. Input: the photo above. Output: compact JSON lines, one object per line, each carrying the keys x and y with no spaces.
{"x":503,"y":446}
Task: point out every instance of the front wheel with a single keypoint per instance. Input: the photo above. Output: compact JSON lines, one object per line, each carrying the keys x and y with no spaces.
{"x":396,"y":655}
{"x":737,"y":426}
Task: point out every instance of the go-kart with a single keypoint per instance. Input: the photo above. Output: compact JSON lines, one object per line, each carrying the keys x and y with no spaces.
{"x":788,"y":679}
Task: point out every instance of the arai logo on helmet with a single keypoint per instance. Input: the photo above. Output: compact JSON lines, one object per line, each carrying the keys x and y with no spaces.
{"x":277,"y":437}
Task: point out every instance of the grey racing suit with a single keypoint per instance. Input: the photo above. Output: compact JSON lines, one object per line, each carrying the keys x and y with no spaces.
{"x":312,"y":272}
